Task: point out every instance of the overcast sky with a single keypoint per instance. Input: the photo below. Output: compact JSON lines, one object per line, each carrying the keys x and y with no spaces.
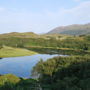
{"x":41,"y":16}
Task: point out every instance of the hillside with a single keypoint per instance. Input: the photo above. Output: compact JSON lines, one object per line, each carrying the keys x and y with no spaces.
{"x":21,"y":35}
{"x":31,"y":35}
{"x":75,"y":29}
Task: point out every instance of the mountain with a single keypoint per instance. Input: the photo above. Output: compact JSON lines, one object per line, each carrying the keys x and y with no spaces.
{"x":75,"y":29}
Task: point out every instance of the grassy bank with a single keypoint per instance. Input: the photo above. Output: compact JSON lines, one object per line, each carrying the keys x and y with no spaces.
{"x":14,"y":52}
{"x":11,"y":82}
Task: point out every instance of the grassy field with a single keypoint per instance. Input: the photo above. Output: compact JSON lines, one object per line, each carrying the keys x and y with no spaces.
{"x":14,"y":52}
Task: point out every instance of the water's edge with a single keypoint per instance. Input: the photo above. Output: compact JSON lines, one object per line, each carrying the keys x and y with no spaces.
{"x":22,"y":66}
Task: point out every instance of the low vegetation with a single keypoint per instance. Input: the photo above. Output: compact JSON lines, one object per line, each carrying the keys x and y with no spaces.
{"x":11,"y":82}
{"x":64,"y":73}
{"x":13,"y":52}
{"x":81,"y":42}
{"x":59,"y":73}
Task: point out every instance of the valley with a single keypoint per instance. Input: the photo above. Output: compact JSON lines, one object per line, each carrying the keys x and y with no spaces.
{"x":49,"y":61}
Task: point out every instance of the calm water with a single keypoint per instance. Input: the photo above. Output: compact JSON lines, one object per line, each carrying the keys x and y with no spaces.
{"x":21,"y":66}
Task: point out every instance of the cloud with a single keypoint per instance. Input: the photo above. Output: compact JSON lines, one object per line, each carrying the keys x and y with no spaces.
{"x":13,"y":20}
{"x":2,"y":9}
{"x":80,"y":12}
{"x":77,"y":0}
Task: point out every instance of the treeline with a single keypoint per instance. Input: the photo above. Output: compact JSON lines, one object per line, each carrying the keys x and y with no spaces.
{"x":77,"y":42}
{"x":64,"y":73}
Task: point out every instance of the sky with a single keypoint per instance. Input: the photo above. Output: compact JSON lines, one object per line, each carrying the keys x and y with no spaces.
{"x":41,"y":16}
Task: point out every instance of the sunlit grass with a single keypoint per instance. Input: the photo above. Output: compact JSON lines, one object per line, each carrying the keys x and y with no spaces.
{"x":13,"y":52}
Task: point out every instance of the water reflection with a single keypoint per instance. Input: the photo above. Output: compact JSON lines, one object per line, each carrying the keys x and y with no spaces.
{"x":22,"y":66}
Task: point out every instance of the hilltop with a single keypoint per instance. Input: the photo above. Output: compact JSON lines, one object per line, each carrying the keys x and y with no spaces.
{"x":17,"y":34}
{"x":76,"y":29}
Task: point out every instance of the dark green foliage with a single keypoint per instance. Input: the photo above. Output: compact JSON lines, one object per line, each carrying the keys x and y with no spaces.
{"x":21,"y":84}
{"x":7,"y":86}
{"x":64,"y":73}
{"x":1,"y":47}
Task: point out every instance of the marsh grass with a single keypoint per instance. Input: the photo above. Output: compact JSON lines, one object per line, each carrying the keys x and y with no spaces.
{"x":14,"y":52}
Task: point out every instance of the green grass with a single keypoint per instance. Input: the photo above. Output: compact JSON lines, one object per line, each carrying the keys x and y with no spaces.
{"x":9,"y":77}
{"x":14,"y":52}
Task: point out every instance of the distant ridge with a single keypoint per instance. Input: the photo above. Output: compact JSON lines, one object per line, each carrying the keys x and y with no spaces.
{"x":17,"y":34}
{"x":75,"y":29}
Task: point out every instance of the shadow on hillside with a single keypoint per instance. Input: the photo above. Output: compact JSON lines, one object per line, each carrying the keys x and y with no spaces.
{"x":76,"y":76}
{"x":58,"y":51}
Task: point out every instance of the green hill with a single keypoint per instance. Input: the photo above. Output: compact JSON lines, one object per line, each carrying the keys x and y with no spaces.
{"x":21,"y":35}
